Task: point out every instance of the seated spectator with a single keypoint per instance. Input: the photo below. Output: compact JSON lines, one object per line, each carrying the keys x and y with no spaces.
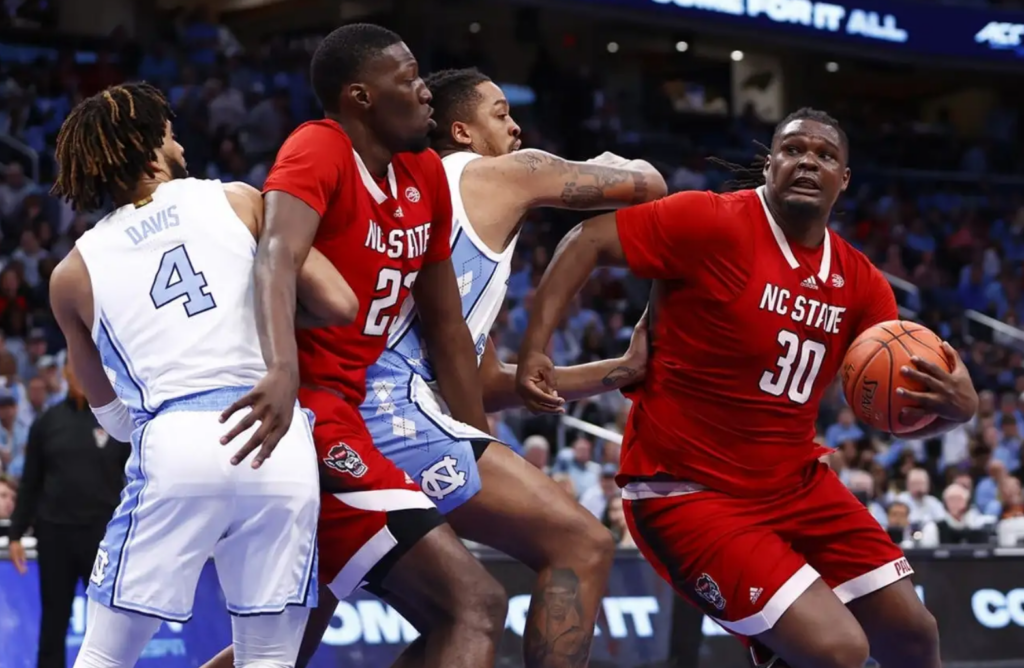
{"x":923,"y":506}
{"x":986,"y":496}
{"x":8,"y":495}
{"x":13,"y":436}
{"x":1007,"y":499}
{"x":597,"y":497}
{"x":907,"y":534}
{"x":615,"y":519}
{"x":537,"y":451}
{"x":845,"y":429}
{"x":863,"y":487}
{"x":577,"y":462}
{"x":963,"y":523}
{"x":1010,"y":529}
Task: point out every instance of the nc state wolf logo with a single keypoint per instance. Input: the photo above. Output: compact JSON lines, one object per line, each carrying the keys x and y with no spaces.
{"x":708,"y":590}
{"x":344,"y":459}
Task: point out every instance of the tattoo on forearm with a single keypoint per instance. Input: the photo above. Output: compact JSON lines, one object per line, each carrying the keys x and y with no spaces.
{"x":620,"y":375}
{"x":586,"y":185}
{"x":557,"y":635}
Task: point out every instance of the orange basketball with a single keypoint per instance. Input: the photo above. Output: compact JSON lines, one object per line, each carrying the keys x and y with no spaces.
{"x":871,"y":372}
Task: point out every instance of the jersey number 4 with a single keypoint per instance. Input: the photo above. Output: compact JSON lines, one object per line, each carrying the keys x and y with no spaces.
{"x":176,"y":279}
{"x":391,"y":280}
{"x":796,"y":383}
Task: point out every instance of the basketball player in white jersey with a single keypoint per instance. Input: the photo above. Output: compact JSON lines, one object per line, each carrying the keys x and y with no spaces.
{"x":156,"y":304}
{"x":488,"y":494}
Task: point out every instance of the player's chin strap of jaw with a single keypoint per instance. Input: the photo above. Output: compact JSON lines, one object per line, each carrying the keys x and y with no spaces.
{"x":116,"y":420}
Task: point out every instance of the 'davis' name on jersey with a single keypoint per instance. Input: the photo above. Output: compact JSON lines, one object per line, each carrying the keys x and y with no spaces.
{"x":809,"y":312}
{"x":410,"y":243}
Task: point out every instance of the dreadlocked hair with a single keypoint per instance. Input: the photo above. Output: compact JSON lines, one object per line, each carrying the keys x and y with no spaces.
{"x":108,"y":142}
{"x":454,"y":96}
{"x":752,"y":176}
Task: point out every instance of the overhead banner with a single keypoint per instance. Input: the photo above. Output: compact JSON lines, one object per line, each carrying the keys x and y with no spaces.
{"x":979,"y":605}
{"x":914,"y":28}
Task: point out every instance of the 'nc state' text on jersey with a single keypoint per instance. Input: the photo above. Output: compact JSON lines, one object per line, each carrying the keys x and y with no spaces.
{"x":154,"y":224}
{"x":809,"y":312}
{"x":410,"y":243}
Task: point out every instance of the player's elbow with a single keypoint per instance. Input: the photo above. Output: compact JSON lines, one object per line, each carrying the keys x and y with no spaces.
{"x":595,"y":240}
{"x":341,"y":308}
{"x":656,"y":187}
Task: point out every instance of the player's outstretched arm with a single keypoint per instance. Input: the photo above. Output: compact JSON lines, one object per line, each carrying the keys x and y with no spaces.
{"x":449,"y":343}
{"x":534,"y":178}
{"x":592,"y":242}
{"x":72,"y":305}
{"x":574,"y":382}
{"x":325,"y":296}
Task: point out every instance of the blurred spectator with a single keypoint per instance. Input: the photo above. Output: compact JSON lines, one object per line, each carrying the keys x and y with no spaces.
{"x":577,"y":462}
{"x":922,"y":506}
{"x":963,"y":522}
{"x":615,"y":519}
{"x":14,"y":189}
{"x":906,"y":534}
{"x":863,"y":487}
{"x":13,"y":436}
{"x":537,"y":451}
{"x":845,"y":429}
{"x":595,"y":499}
{"x":8,"y":496}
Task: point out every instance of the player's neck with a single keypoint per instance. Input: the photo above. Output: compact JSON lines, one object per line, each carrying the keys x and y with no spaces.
{"x":375,"y":156}
{"x":142,"y":193}
{"x":805,"y":228}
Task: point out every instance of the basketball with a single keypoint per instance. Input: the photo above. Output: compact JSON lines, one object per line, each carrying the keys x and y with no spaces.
{"x":871,"y":373}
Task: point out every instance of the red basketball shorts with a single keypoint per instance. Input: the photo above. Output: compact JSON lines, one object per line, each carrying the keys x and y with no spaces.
{"x":745,"y":561}
{"x":360,"y":493}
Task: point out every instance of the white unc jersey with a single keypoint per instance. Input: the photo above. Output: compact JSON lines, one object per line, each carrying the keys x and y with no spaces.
{"x":482,"y":276}
{"x":172,"y":285}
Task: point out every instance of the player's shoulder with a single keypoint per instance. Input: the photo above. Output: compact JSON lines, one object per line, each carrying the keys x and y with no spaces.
{"x":319,"y":134}
{"x":855,"y":263}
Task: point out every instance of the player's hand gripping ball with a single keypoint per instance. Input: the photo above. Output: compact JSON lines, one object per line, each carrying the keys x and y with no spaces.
{"x":887,"y":389}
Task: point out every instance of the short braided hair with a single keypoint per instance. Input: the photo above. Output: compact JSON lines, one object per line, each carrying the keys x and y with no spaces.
{"x":108,"y":142}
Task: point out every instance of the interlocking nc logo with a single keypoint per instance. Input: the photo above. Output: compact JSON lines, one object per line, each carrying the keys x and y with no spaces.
{"x":442,"y":478}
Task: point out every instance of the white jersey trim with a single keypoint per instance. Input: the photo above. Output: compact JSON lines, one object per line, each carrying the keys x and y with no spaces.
{"x":783,"y":242}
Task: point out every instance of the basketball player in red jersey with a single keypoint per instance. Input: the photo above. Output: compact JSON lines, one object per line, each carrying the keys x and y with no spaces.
{"x":361,"y":187}
{"x":755,"y":305}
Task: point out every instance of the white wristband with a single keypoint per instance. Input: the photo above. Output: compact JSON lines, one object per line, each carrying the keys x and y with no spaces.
{"x":116,"y":420}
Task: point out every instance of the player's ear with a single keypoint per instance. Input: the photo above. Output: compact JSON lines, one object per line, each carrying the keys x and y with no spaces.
{"x":461,"y":134}
{"x":767,"y":165}
{"x":846,"y":180}
{"x":359,"y":94}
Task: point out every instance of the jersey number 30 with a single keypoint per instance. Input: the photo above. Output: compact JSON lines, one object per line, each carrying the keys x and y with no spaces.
{"x":796,"y":383}
{"x":176,"y":278}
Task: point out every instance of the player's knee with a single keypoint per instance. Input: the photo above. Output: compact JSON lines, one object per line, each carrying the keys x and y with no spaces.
{"x":483,"y":605}
{"x":581,"y":541}
{"x":847,"y":648}
{"x":915,"y":637}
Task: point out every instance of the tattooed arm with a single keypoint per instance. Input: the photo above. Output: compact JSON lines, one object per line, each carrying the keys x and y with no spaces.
{"x":536,"y":178}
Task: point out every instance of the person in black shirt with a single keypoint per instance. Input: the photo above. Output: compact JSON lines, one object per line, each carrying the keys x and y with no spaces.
{"x":73,"y":477}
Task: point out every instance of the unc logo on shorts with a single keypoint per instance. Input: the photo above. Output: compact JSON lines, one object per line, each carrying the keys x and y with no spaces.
{"x":99,"y":567}
{"x":344,"y":459}
{"x":442,"y":478}
{"x":708,"y":590}
{"x":481,"y":343}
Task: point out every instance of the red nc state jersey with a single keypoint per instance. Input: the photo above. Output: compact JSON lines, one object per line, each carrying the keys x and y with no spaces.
{"x":377,"y":234}
{"x":748,"y":331}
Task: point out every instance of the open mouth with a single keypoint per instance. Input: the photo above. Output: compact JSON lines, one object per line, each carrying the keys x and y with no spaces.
{"x":805,"y":184}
